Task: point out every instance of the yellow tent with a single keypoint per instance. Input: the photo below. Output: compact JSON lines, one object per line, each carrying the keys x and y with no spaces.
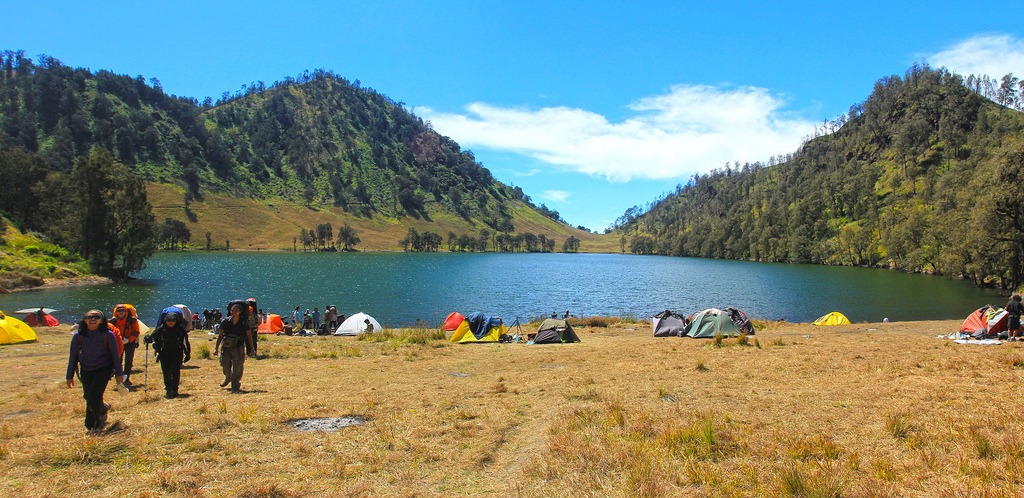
{"x":14,"y":331}
{"x":489,"y":328}
{"x":833,"y":318}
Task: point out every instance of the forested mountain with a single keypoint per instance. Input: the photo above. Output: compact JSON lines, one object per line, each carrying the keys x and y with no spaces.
{"x":926,"y":175}
{"x":318,"y":141}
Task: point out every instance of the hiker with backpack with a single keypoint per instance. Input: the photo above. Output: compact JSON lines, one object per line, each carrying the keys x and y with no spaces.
{"x":1015,"y":309}
{"x":254,"y":326}
{"x":235,"y":335}
{"x":128,"y":324}
{"x":94,"y":356}
{"x":170,"y":342}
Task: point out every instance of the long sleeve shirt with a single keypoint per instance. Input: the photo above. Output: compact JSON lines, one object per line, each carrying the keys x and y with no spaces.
{"x":96,"y":352}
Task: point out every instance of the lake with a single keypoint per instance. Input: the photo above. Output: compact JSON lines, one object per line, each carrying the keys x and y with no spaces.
{"x":400,"y":288}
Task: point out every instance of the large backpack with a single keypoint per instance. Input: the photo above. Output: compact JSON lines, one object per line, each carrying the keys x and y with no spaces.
{"x":183,"y":341}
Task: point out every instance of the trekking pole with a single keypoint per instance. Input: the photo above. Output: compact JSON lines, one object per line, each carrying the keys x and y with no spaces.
{"x":145,"y":382}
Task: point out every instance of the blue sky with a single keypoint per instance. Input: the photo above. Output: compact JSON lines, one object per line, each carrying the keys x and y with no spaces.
{"x":590,"y":106}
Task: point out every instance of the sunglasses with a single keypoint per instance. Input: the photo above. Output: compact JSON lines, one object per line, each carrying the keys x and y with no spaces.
{"x":93,"y":317}
{"x":170,"y":319}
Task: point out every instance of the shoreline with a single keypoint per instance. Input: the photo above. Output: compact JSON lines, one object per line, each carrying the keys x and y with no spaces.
{"x":57,"y":283}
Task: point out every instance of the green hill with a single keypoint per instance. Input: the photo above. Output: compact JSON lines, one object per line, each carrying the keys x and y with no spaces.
{"x":926,"y":175}
{"x":300,"y":152}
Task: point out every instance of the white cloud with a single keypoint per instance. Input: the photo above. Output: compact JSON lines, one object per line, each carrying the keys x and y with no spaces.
{"x":555,"y":195}
{"x":689,"y":129}
{"x":994,"y":55}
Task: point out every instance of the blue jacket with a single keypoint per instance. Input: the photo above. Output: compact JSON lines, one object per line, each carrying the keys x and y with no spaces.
{"x":92,"y":352}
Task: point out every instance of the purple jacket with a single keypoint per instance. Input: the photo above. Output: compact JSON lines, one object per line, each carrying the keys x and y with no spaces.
{"x":96,"y":352}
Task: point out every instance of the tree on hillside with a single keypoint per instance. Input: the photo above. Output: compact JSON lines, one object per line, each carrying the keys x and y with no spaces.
{"x":1008,"y":206}
{"x":174,"y":234}
{"x":347,"y":238}
{"x":572,"y":244}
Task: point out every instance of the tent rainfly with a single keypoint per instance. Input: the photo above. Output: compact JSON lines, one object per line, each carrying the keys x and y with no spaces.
{"x":478,"y":327}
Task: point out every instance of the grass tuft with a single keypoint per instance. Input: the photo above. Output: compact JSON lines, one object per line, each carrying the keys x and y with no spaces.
{"x":204,"y":352}
{"x":718,"y":341}
{"x":899,"y":425}
{"x":268,"y":491}
{"x":91,"y":451}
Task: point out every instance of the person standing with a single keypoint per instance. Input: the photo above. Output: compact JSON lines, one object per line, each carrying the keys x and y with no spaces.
{"x":234,"y":335}
{"x":316,"y":320}
{"x":170,"y":342}
{"x":331,"y":318}
{"x":129,"y":327}
{"x":1015,"y":309}
{"x":254,"y":326}
{"x":297,"y":318}
{"x":94,"y":357}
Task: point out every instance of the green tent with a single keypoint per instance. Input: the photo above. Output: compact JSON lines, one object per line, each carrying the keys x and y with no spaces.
{"x":711,"y":322}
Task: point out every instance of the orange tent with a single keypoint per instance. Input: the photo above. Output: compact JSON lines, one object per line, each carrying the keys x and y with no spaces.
{"x":272,"y":325}
{"x":453,"y":321}
{"x":990,"y":319}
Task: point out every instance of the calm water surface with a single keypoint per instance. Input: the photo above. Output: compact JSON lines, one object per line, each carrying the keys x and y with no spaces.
{"x":399,"y":288}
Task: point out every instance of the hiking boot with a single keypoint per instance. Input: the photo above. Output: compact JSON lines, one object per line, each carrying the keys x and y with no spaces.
{"x":103,"y":419}
{"x":226,"y":382}
{"x":236,"y":386}
{"x":127,"y":382}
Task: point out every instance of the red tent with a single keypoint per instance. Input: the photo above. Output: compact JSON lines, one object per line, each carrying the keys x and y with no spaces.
{"x":991,"y":320}
{"x":453,"y":321}
{"x":272,"y":325}
{"x":35,"y":318}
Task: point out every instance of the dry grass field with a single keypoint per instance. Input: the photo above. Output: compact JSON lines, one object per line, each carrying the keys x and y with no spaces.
{"x":860,"y":410}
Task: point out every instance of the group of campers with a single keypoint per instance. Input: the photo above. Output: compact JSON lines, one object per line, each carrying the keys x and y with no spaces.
{"x":311,"y":320}
{"x":103,"y":347}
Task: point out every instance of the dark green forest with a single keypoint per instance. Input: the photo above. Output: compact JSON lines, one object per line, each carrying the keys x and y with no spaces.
{"x":926,"y":175}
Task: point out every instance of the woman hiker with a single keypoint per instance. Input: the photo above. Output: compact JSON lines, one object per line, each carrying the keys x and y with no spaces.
{"x":95,"y":358}
{"x":234,"y":335}
{"x":170,"y":342}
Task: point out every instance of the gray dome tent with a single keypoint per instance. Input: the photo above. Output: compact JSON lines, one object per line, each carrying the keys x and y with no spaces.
{"x":669,"y":324}
{"x":555,"y":331}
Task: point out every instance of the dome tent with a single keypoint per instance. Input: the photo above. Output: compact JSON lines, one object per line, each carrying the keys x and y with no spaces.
{"x":712,"y":322}
{"x":356,"y":324}
{"x":479,"y":327}
{"x":14,"y":331}
{"x":555,"y":331}
{"x":833,"y":318}
{"x":668,"y":324}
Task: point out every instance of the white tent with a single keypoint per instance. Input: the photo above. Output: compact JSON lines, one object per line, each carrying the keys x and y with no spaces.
{"x":356,"y":324}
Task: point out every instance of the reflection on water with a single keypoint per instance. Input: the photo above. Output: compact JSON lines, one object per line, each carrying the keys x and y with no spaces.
{"x":400,"y":288}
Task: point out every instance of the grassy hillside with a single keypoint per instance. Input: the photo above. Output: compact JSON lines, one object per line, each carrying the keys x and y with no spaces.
{"x":26,"y":261}
{"x":273,"y":224}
